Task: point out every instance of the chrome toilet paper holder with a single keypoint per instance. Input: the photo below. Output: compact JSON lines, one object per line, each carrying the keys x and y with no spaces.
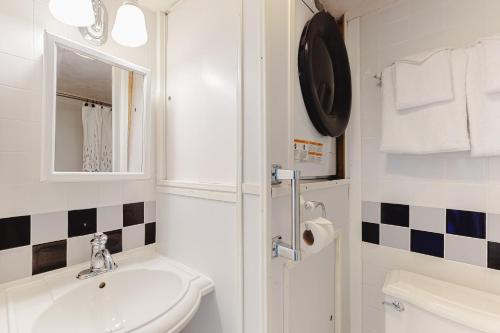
{"x":312,"y":205}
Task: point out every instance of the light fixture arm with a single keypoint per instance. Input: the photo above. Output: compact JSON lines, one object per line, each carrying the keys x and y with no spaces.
{"x":97,"y":33}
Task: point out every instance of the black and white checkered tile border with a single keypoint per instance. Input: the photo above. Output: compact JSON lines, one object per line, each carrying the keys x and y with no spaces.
{"x":43,"y":242}
{"x":464,"y":236}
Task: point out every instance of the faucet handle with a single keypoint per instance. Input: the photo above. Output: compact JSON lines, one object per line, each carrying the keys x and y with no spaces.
{"x":99,"y":239}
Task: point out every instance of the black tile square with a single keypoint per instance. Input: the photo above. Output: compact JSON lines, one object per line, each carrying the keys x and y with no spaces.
{"x":15,"y":232}
{"x":114,"y":244}
{"x":150,"y":233}
{"x":465,"y":223}
{"x":82,"y":222}
{"x":133,"y":214}
{"x":49,"y":256}
{"x":395,"y":214}
{"x":429,"y":243}
{"x":371,"y":233}
{"x":494,"y":255}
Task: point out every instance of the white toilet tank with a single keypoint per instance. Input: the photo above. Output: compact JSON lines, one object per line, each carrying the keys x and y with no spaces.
{"x":419,"y":304}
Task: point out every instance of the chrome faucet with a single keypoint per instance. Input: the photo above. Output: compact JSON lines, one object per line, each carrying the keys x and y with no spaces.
{"x":100,"y":260}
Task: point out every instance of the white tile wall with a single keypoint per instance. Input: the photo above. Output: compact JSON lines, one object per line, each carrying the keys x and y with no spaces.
{"x":16,"y":17}
{"x":493,"y":226}
{"x":109,"y":218}
{"x":17,"y":263}
{"x":404,"y":28}
{"x":428,"y":219}
{"x":465,"y":249}
{"x":22,"y":23}
{"x":49,"y":227}
{"x":370,"y":211}
{"x":79,"y":249}
{"x":150,"y":211}
{"x":133,"y":237}
{"x":395,"y":236}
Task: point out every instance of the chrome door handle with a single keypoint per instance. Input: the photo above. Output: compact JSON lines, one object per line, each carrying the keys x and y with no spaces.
{"x":292,"y":251}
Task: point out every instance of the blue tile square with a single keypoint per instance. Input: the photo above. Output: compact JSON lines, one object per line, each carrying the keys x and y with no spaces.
{"x":395,"y":214}
{"x":466,"y":223}
{"x":429,"y":243}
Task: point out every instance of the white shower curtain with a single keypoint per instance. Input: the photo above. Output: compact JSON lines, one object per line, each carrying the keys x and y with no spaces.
{"x":106,"y":157}
{"x":97,"y":138}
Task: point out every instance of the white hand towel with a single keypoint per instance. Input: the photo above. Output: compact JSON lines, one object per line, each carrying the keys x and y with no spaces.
{"x":483,"y":109}
{"x":436,"y":128}
{"x":424,"y":79}
{"x":491,"y":68}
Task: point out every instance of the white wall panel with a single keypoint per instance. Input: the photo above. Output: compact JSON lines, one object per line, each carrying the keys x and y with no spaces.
{"x":337,"y":208}
{"x":202,"y":80}
{"x":202,"y":234}
{"x":277,"y":72}
{"x":310,"y":293}
{"x":254,"y":235}
{"x":253,"y":261}
{"x":252,"y":90}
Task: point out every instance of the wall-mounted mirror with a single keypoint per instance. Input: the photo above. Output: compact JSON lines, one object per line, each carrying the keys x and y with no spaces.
{"x":96,"y":123}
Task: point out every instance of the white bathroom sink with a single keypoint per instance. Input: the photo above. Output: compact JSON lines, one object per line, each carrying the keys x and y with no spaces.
{"x":147,"y":293}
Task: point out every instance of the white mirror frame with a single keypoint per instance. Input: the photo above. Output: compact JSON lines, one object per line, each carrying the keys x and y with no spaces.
{"x":48,"y":173}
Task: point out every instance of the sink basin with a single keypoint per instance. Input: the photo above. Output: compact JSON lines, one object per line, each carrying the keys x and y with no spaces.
{"x":147,"y":293}
{"x":108,"y":304}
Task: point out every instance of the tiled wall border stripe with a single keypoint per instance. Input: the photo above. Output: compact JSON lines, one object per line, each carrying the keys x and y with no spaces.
{"x":452,"y":234}
{"x":39,"y":243}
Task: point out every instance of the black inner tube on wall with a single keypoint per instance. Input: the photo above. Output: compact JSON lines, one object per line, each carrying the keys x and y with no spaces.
{"x":325,"y":75}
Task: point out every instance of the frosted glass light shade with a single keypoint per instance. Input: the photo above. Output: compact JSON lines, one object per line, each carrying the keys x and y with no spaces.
{"x":130,"y":26}
{"x":78,"y":13}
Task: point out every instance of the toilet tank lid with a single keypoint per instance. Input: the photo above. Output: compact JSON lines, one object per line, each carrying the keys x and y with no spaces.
{"x":472,"y":308}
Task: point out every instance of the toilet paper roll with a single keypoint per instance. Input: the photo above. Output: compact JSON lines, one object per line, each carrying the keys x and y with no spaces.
{"x":316,"y":235}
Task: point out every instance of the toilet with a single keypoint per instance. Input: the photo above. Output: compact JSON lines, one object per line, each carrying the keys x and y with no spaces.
{"x":419,"y":304}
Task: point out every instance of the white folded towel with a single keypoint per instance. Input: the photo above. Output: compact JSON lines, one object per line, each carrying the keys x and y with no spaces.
{"x":483,"y":108}
{"x":436,"y":128}
{"x":491,"y":51}
{"x":424,"y":79}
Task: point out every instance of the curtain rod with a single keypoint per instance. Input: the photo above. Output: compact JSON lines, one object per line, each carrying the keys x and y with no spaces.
{"x":83,"y":99}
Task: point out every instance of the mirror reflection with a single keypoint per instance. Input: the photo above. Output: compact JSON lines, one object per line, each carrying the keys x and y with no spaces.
{"x":99,"y":116}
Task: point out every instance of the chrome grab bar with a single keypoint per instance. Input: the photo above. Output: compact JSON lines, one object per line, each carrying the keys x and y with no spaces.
{"x":280,"y":249}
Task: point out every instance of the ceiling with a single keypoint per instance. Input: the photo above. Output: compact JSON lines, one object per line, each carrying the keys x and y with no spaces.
{"x":340,"y":7}
{"x":80,"y":75}
{"x":162,"y":5}
{"x":336,"y":7}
